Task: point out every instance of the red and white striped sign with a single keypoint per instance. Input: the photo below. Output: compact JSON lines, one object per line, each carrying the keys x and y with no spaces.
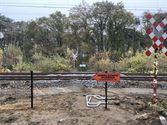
{"x":157,"y":42}
{"x":155,"y":23}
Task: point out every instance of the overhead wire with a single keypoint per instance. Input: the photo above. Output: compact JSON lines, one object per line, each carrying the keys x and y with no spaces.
{"x":65,"y":3}
{"x":68,"y":6}
{"x":37,"y":6}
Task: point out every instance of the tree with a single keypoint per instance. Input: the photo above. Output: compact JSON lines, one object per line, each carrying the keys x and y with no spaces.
{"x":29,"y":42}
{"x":46,"y":35}
{"x":101,"y":12}
{"x":119,"y":23}
{"x":7,"y":28}
{"x":79,"y":31}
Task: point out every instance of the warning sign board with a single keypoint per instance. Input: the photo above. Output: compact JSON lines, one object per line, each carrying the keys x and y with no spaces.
{"x":157,"y":41}
{"x":107,"y":77}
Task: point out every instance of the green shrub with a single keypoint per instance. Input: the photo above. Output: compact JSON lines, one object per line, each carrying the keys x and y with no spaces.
{"x":53,"y":64}
{"x":138,"y":63}
{"x":1,"y":57}
{"x":162,"y":63}
{"x":12,"y":55}
{"x":45,"y":64}
{"x":37,"y":57}
{"x":101,"y":62}
{"x":10,"y":67}
{"x":164,"y":104}
{"x":24,"y":67}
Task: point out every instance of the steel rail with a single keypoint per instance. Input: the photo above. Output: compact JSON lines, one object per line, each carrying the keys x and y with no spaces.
{"x":70,"y":76}
{"x":70,"y":73}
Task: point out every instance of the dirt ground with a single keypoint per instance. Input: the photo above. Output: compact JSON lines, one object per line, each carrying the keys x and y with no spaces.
{"x":64,"y":106}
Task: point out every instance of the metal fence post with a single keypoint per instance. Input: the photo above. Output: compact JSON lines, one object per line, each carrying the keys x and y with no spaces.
{"x":106,"y":93}
{"x":32,"y":94}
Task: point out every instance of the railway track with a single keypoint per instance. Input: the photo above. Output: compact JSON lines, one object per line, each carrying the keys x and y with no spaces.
{"x":77,"y":76}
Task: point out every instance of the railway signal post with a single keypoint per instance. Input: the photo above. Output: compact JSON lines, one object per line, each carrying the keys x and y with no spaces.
{"x":158,"y":38}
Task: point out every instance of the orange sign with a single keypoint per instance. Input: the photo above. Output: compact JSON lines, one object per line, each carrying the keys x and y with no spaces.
{"x":107,"y":77}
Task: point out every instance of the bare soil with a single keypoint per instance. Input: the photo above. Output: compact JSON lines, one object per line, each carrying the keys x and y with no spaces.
{"x":67,"y":106}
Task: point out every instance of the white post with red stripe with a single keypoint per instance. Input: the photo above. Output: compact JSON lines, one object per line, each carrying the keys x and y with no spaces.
{"x":157,"y":44}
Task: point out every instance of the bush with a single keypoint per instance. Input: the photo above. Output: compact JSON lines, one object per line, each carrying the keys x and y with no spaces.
{"x":164,"y":104}
{"x":45,"y":64}
{"x":162,"y":63}
{"x":140,"y":63}
{"x":12,"y":55}
{"x":51,"y":65}
{"x":1,"y":58}
{"x":101,"y":62}
{"x":103,"y":65}
{"x":24,"y":67}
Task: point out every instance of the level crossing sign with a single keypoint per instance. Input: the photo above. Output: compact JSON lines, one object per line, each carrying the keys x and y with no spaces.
{"x":157,"y":41}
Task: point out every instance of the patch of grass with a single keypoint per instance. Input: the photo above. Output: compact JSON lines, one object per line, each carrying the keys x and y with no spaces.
{"x":164,"y":104}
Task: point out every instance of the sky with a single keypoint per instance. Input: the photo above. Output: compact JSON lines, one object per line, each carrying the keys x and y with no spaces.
{"x":26,"y":10}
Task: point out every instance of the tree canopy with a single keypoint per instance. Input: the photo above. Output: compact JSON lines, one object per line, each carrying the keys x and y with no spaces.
{"x":89,"y":29}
